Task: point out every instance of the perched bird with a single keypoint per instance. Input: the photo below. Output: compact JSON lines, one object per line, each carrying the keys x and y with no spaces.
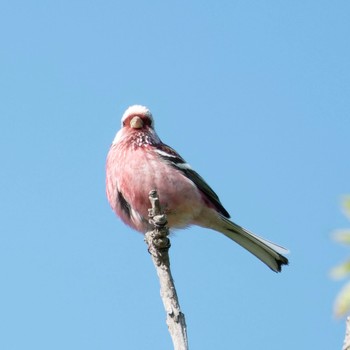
{"x":138,"y":162}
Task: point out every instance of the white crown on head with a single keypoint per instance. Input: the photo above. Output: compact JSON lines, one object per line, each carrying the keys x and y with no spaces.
{"x":137,"y":110}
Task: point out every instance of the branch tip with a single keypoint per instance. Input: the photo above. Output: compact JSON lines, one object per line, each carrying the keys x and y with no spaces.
{"x":158,"y":246}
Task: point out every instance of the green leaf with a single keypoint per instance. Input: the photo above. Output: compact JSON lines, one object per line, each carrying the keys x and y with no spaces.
{"x":342,"y":303}
{"x":346,"y":205}
{"x":341,"y":271}
{"x":342,"y":236}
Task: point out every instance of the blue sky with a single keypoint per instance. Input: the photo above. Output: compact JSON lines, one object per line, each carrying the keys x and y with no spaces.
{"x":253,"y":94}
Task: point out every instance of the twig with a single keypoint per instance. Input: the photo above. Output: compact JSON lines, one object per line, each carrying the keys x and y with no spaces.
{"x":158,"y":246}
{"x":346,"y":345}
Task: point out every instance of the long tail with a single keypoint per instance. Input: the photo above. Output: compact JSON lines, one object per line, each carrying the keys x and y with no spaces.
{"x":268,"y":252}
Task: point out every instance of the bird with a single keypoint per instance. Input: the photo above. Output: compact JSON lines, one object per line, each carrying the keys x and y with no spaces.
{"x":138,"y":162}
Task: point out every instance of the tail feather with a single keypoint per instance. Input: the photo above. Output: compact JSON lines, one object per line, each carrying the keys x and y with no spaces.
{"x":268,"y":252}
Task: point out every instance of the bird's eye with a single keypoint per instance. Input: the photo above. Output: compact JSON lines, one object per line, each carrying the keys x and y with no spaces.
{"x":147,"y":121}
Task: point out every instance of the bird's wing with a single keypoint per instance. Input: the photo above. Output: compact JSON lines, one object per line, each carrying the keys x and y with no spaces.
{"x":169,"y":155}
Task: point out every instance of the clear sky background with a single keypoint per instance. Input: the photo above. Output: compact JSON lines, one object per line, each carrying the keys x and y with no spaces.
{"x":253,"y":94}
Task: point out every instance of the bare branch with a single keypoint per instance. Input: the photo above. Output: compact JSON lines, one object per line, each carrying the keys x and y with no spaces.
{"x":346,"y":345}
{"x":158,"y":246}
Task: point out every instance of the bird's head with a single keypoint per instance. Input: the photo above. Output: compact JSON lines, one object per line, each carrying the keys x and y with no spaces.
{"x":137,"y":117}
{"x":137,"y":127}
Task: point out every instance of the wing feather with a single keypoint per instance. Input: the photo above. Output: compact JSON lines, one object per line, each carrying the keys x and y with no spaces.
{"x":170,"y":156}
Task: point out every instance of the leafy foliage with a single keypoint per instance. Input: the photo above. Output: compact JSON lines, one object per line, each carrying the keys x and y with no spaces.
{"x":342,"y":302}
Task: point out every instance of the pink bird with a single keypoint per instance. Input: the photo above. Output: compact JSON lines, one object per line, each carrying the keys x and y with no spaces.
{"x":138,"y":162}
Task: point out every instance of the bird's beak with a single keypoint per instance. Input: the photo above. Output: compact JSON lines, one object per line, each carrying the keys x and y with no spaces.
{"x":136,"y":122}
